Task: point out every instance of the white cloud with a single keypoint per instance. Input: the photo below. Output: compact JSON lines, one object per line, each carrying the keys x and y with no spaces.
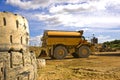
{"x":99,"y":30}
{"x":79,"y":7}
{"x":34,"y":4}
{"x":102,"y":38}
{"x":79,"y":20}
{"x":92,"y":13}
{"x":28,"y":4}
{"x":84,"y":4}
{"x":35,"y":41}
{"x":71,"y":8}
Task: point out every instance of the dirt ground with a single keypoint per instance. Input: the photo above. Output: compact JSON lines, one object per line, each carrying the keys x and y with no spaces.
{"x":100,"y":66}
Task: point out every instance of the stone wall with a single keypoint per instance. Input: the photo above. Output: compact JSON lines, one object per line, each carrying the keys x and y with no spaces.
{"x":14,"y":32}
{"x":16,"y":62}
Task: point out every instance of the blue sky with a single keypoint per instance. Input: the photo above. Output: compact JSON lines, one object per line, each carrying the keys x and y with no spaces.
{"x":98,"y":17}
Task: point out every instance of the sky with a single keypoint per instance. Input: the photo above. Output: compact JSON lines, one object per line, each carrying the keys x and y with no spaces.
{"x":98,"y":17}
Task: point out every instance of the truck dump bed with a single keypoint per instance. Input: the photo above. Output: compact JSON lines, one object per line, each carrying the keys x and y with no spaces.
{"x":63,"y":33}
{"x":52,"y":37}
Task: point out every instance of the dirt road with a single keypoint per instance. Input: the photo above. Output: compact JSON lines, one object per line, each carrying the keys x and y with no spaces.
{"x":101,"y":66}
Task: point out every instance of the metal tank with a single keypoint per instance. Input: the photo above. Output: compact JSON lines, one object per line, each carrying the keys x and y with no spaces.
{"x":63,"y":33}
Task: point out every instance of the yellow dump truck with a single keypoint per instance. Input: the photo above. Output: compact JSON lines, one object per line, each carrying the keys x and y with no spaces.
{"x":58,"y":44}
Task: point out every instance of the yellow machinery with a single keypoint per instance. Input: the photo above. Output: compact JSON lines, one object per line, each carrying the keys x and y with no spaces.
{"x":104,"y":48}
{"x":58,"y":44}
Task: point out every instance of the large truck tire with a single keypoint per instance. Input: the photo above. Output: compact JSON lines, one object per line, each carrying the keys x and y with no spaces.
{"x":83,"y":52}
{"x":17,"y":66}
{"x":59,"y":52}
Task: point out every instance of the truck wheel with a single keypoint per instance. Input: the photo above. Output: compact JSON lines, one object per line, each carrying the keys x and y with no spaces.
{"x":83,"y":52}
{"x":60,"y":52}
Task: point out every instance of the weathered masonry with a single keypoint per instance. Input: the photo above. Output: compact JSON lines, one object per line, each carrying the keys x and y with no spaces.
{"x":16,"y":62}
{"x":14,"y":30}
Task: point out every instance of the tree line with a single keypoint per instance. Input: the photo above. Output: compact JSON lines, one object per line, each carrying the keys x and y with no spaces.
{"x":113,"y":44}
